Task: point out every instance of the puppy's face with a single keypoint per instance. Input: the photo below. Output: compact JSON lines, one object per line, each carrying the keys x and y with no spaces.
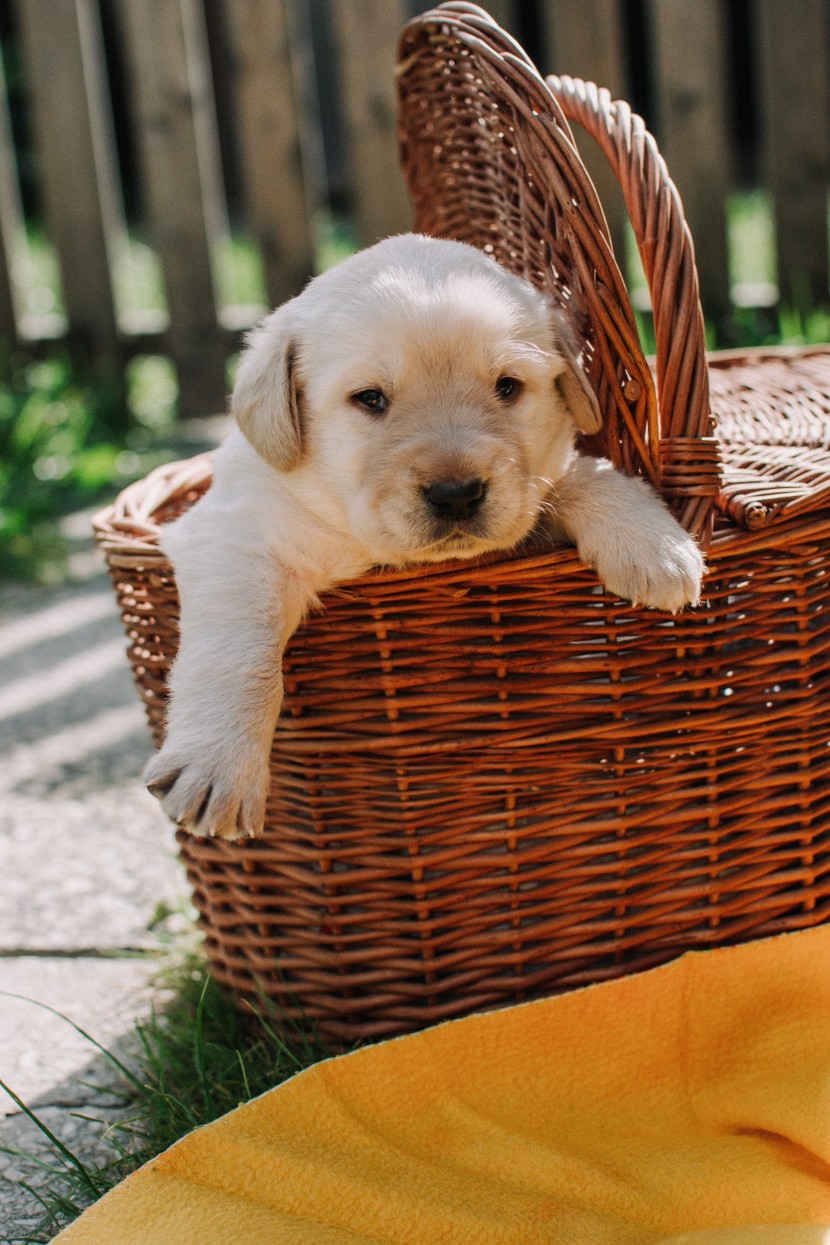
{"x":420,"y":397}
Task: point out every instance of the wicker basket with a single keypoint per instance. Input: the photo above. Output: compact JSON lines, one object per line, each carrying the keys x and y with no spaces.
{"x":493,"y":781}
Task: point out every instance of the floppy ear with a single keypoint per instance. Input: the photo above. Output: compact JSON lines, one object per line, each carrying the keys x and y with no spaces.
{"x":266,"y":398}
{"x":572,"y":383}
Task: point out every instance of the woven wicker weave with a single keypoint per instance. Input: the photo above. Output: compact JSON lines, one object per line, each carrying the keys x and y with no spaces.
{"x":492,"y":781}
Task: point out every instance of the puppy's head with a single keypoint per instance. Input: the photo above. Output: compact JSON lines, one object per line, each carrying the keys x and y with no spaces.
{"x":420,"y":392}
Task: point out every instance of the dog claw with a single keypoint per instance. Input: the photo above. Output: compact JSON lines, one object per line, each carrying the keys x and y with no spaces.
{"x":160,"y":787}
{"x":203,"y":807}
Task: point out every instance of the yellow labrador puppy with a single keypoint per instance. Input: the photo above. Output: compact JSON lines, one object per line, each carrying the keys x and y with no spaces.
{"x":415,"y":403}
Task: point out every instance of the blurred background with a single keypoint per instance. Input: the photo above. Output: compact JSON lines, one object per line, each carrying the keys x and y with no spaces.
{"x":169,"y":169}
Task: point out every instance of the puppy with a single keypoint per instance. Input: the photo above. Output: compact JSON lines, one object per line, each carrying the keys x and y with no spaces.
{"x":413,"y":404}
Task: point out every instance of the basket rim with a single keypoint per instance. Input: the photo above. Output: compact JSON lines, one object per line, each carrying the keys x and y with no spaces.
{"x":129,"y":527}
{"x":129,"y":524}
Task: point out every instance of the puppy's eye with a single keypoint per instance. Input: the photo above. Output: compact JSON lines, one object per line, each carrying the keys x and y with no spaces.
{"x":508,"y":388}
{"x":373,"y":400}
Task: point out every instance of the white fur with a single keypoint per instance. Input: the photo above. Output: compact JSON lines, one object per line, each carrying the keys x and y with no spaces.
{"x":318,"y":489}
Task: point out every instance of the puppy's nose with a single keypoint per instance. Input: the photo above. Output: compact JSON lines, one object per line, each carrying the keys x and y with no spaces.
{"x":453,"y":499}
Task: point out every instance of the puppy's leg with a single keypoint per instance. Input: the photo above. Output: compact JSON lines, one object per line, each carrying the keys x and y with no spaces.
{"x":624,"y":531}
{"x":238,"y":609}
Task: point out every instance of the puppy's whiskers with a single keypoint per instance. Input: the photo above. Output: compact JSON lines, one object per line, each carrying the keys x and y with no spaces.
{"x":549,"y":503}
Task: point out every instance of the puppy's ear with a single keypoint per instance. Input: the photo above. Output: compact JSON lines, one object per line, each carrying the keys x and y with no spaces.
{"x":572,"y":383}
{"x":266,"y":397}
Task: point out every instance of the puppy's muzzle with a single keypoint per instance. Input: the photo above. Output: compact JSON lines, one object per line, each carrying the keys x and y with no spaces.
{"x":454,"y":499}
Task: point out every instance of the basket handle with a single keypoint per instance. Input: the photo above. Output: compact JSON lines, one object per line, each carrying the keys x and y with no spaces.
{"x":668,"y":434}
{"x":689,"y":450}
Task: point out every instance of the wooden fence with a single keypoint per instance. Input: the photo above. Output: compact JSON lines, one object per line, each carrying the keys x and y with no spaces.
{"x":165,"y":119}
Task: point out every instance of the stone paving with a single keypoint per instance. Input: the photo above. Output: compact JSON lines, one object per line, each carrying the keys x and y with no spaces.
{"x":88,"y":873}
{"x":87,"y":869}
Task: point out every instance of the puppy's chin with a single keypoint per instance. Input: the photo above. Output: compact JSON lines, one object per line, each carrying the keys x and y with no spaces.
{"x":428,"y":544}
{"x":457,"y":544}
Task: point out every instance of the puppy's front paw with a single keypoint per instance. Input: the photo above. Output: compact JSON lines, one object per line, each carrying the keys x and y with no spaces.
{"x":211,"y":789}
{"x":661,"y":569}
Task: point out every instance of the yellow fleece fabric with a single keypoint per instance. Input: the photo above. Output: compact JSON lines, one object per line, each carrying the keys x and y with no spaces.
{"x":692,"y":1101}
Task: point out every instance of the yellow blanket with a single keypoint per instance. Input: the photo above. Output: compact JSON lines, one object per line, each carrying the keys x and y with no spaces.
{"x":690,"y":1101}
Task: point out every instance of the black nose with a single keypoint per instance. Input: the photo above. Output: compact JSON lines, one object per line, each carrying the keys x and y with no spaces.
{"x":451,"y":499}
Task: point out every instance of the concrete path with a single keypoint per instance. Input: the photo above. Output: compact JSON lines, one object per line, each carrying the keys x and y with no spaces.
{"x":87,"y":868}
{"x":89,"y":882}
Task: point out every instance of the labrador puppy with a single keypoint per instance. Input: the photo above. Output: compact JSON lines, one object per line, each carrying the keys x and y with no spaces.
{"x":413,"y":404}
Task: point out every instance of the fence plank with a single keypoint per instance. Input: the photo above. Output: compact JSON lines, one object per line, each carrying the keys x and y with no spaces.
{"x":167,"y":55}
{"x":12,"y":232}
{"x":503,"y":12}
{"x":367,"y":35}
{"x":584,"y":38}
{"x":271,"y":145}
{"x":63,"y":53}
{"x":795,"y":68}
{"x":690,"y":76}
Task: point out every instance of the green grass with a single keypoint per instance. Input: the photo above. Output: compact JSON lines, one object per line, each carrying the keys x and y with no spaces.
{"x":196,"y":1060}
{"x":336,"y":240}
{"x":752,"y":269}
{"x":67,"y":441}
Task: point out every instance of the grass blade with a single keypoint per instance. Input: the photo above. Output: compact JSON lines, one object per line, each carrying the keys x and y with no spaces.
{"x":89,"y":1181}
{"x":199,"y":1049}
